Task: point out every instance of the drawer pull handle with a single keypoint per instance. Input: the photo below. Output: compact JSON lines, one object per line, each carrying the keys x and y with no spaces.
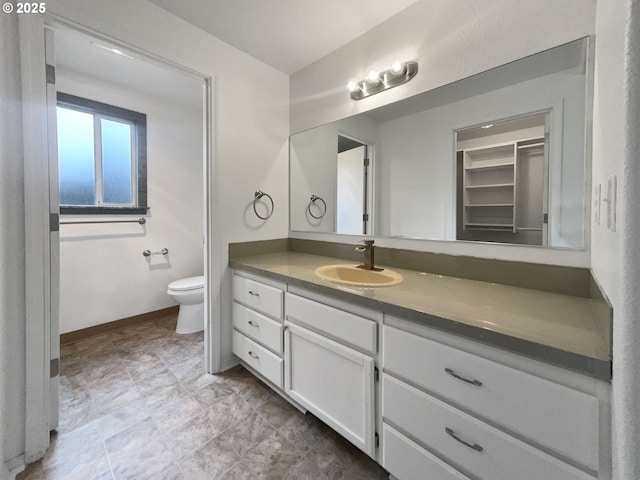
{"x":253,"y":355}
{"x":452,"y":434}
{"x":251,"y":292}
{"x":475,"y":382}
{"x":253,"y":324}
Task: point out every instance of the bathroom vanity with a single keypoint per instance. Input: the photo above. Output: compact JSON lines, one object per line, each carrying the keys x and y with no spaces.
{"x":437,"y":377}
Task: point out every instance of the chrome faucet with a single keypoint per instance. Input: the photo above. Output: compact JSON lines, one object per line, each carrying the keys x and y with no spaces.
{"x":367,"y":248}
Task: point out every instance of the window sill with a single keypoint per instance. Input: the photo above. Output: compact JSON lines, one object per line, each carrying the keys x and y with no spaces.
{"x":103,"y":210}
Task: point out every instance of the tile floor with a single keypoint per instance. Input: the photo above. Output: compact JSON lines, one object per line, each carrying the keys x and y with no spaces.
{"x":135,"y":404}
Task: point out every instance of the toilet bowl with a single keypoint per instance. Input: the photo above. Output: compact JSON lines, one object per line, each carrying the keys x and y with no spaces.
{"x":189,"y":293}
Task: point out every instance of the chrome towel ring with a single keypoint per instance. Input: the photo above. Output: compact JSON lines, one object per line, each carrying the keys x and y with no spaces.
{"x":312,"y":202}
{"x":257,"y":196}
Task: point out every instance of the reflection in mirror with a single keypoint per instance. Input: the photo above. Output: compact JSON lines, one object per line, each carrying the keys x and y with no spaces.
{"x":436,"y":173}
{"x":352,"y":173}
{"x":501,"y":178}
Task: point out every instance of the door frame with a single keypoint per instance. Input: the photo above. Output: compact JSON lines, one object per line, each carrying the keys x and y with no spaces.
{"x":370,"y":181}
{"x":38,"y":269}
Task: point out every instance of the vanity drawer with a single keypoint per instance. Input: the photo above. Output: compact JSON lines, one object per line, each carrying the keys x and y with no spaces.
{"x":256,"y":295}
{"x":476,"y":447}
{"x":406,"y":460}
{"x":259,"y":358}
{"x":353,"y":329}
{"x":258,"y":327}
{"x":560,"y":418}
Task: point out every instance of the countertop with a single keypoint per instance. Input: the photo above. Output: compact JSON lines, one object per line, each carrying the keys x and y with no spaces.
{"x":568,"y":331}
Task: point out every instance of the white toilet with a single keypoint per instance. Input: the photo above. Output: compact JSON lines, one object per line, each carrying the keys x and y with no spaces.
{"x":189,"y":293}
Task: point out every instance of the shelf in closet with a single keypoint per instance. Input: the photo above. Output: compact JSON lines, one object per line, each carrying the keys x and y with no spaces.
{"x":530,"y":229}
{"x":482,"y":205}
{"x":490,"y":226}
{"x":485,"y":168}
{"x":531,"y":145}
{"x":493,"y":185}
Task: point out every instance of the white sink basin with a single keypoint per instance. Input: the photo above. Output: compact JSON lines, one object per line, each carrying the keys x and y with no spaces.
{"x":350,"y":275}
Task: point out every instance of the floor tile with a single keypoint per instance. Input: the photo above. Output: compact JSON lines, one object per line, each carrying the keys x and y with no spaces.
{"x":88,"y":463}
{"x":245,"y":435}
{"x":212,"y":394}
{"x":303,"y":431}
{"x":136,"y":403}
{"x":71,"y":364}
{"x":229,"y":412}
{"x":277,"y":411}
{"x":150,"y":381}
{"x":140,"y":435}
{"x":122,"y":418}
{"x":270,"y":459}
{"x":149,"y":462}
{"x":211,"y":461}
{"x":168,"y":394}
{"x":191,"y":435}
{"x":78,"y":410}
{"x":171,"y":416}
{"x":66,"y":445}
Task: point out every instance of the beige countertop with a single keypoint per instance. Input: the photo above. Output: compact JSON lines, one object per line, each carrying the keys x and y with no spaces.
{"x":569,"y":331}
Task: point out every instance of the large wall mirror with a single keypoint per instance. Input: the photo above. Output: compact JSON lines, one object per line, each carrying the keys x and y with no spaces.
{"x":496,"y":157}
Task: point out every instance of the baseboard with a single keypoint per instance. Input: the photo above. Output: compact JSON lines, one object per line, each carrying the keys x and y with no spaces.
{"x":123,"y":322}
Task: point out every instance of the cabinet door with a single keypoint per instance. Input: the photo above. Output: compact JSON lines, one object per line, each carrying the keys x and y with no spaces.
{"x":334,"y":382}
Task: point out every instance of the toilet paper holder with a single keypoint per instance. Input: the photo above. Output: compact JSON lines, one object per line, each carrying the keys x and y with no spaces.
{"x":148,"y":253}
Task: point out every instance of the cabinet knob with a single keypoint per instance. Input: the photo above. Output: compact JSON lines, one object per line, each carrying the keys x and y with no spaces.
{"x":253,"y":324}
{"x":255,"y":294}
{"x":253,"y":355}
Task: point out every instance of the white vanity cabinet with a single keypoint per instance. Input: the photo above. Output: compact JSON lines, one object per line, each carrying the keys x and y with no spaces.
{"x":326,"y":373}
{"x":489,"y":420}
{"x":258,"y":326}
{"x":443,"y":407}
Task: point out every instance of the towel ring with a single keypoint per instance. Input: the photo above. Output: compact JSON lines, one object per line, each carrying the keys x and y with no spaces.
{"x":313,"y":201}
{"x":257,"y":196}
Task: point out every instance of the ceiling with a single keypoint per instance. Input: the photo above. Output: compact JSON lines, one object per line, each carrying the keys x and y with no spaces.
{"x":77,"y":55}
{"x":286,"y":34}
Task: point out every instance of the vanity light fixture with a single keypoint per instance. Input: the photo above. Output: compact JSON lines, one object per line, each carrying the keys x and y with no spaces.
{"x":112,"y":50}
{"x":397,"y":74}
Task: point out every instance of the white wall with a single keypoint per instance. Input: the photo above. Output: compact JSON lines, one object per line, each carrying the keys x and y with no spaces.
{"x":12,"y":292}
{"x":615,"y":255}
{"x":313,"y":172}
{"x":104,"y":276}
{"x":451,"y":40}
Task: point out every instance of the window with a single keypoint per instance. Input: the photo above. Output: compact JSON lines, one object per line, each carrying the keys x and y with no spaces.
{"x":101,"y":157}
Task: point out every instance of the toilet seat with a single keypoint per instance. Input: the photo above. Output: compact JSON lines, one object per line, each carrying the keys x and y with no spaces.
{"x":186,"y":284}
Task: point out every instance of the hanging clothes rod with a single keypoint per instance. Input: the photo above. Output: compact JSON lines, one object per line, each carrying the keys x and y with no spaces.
{"x":141,"y":221}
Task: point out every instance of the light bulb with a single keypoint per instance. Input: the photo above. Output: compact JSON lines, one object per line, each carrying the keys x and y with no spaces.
{"x":352,"y":86}
{"x":373,"y":78}
{"x":397,"y":68}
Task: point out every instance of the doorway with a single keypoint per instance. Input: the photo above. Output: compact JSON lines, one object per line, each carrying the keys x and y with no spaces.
{"x":354,"y":186}
{"x":104,"y":273}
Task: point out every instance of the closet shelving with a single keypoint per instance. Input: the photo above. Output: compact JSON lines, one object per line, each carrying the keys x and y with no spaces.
{"x":491,"y":183}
